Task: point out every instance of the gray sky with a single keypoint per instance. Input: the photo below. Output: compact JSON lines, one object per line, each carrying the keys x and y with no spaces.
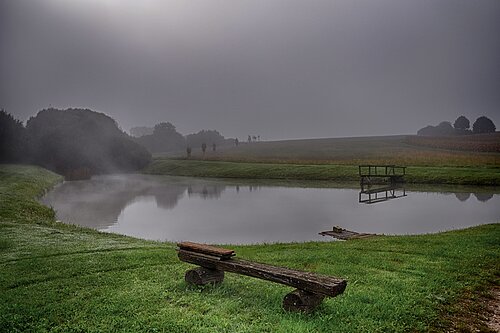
{"x":275,"y":68}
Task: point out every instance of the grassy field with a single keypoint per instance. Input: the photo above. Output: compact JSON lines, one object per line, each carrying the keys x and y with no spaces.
{"x":337,"y":160}
{"x":323,"y":172}
{"x":360,"y":150}
{"x":61,"y":278}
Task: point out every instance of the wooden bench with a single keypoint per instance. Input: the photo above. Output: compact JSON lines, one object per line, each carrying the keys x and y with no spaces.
{"x":214,"y":261}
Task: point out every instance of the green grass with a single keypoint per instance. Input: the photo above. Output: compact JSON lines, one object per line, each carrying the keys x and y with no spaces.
{"x":61,"y":278}
{"x":323,"y":172}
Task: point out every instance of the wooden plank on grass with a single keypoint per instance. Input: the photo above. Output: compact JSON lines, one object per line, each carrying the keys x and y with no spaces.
{"x":311,"y":282}
{"x":207,"y":249}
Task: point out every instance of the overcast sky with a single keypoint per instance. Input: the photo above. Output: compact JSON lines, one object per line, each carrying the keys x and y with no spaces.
{"x":276,"y":68}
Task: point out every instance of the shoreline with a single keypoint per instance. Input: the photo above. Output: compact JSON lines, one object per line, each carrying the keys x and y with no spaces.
{"x":431,"y":175}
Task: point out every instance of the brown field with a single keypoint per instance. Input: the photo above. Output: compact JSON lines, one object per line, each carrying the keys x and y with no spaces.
{"x":399,"y":149}
{"x":475,"y":143}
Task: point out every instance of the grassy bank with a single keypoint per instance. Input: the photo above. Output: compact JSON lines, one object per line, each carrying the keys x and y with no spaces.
{"x":325,"y":172}
{"x":61,"y":278}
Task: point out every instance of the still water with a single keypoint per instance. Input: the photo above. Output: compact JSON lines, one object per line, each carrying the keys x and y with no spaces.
{"x":218,"y":211}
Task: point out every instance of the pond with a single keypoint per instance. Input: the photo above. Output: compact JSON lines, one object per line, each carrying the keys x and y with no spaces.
{"x":241,"y":212}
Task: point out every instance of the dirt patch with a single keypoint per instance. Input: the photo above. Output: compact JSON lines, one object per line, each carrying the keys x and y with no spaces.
{"x":494,"y":306}
{"x":475,"y":312}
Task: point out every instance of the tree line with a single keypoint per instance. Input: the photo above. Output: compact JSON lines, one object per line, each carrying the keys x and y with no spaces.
{"x":76,"y":143}
{"x":461,"y":126}
{"x":164,"y":137}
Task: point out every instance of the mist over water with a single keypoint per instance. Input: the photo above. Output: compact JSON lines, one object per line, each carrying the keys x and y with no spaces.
{"x":217,"y":211}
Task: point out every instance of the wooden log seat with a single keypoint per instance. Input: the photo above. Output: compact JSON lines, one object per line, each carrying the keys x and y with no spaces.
{"x":311,"y":288}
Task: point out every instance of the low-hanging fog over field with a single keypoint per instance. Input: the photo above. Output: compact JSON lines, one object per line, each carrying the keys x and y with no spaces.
{"x":277,"y":68}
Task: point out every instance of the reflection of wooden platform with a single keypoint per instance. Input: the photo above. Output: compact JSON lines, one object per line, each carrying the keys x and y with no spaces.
{"x":373,"y":195}
{"x":344,"y":234}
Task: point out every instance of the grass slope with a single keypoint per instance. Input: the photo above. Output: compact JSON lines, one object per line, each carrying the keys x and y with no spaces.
{"x":415,"y":174}
{"x":356,"y":150}
{"x":61,"y":278}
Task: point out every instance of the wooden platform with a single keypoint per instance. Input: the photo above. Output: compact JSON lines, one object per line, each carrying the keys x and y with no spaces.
{"x":311,"y":287}
{"x":381,"y":174}
{"x":344,"y":234}
{"x":371,"y":170}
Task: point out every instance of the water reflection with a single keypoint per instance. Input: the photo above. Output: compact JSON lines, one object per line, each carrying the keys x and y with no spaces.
{"x":176,"y":208}
{"x":483,"y":197}
{"x":373,"y":194}
{"x":462,"y":196}
{"x":205,"y":191}
{"x":98,"y":202}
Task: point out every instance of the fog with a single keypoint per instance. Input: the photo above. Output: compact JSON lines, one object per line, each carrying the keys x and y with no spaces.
{"x":279,"y":69}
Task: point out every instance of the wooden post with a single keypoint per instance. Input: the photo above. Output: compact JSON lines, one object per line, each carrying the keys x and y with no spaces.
{"x":302,"y":301}
{"x":201,"y":276}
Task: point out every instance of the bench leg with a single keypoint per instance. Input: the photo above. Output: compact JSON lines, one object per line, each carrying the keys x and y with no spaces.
{"x":201,"y":276}
{"x":301,"y":301}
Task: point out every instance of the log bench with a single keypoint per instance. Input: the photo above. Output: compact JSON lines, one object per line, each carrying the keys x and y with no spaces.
{"x":311,"y":289}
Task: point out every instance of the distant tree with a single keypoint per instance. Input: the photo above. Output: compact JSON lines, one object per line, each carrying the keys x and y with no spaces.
{"x":213,"y":146}
{"x":483,"y":125}
{"x":426,"y":131}
{"x":444,"y":128}
{"x":236,"y":141}
{"x":254,"y":138}
{"x":196,"y":139}
{"x":164,"y":128}
{"x":165,"y":138}
{"x":82,"y":140}
{"x":462,"y":123}
{"x":258,"y":137}
{"x":188,"y":152}
{"x":203,"y":147}
{"x":249,"y":138}
{"x":12,"y":138}
{"x":141,"y":131}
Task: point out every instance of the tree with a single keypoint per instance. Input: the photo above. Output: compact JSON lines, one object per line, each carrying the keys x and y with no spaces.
{"x":426,"y":131}
{"x":203,"y":147}
{"x":67,"y":141}
{"x":213,"y":146}
{"x":164,"y":138}
{"x":249,"y":138}
{"x":462,"y":123}
{"x":196,"y":139}
{"x":141,"y":131}
{"x":444,"y":128}
{"x":188,"y":152}
{"x":483,"y":125}
{"x":12,"y":138}
{"x":236,"y":141}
